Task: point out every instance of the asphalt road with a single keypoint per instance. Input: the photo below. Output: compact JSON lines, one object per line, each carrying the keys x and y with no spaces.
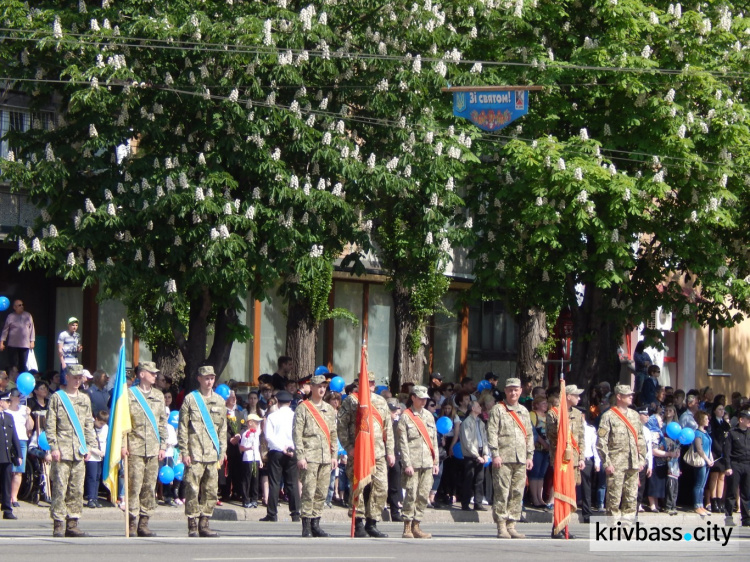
{"x":247,"y":541}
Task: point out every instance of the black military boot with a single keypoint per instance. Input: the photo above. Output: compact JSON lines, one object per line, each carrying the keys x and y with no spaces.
{"x":359,"y":528}
{"x":132,"y":525}
{"x":371,"y":527}
{"x":143,"y":530}
{"x":72,"y":530}
{"x":306,"y":532}
{"x":315,"y":528}
{"x":396,"y":515}
{"x":204,"y":530}
{"x":58,"y":530}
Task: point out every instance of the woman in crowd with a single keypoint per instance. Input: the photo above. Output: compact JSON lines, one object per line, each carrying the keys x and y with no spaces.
{"x":702,"y":446}
{"x":431,"y":406}
{"x":24,"y":425}
{"x":236,"y":424}
{"x":718,"y":428}
{"x":253,"y":404}
{"x":536,"y":475}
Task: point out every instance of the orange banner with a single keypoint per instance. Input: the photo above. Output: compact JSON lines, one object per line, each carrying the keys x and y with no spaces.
{"x":364,"y":442}
{"x":565,"y":478}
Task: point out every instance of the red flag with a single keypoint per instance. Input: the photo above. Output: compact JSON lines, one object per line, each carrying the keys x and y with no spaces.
{"x":364,"y":442}
{"x":565,"y":478}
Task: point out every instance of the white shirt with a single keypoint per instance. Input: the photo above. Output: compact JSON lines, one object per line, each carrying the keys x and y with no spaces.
{"x":19,"y":417}
{"x":251,"y":440}
{"x":589,"y":444}
{"x":171,"y":441}
{"x":101,"y":441}
{"x":649,"y":448}
{"x":278,"y":430}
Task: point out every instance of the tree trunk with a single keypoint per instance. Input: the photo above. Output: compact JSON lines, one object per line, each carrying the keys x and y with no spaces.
{"x":407,"y":367}
{"x":595,"y":341}
{"x":532,"y":333}
{"x":301,"y":338}
{"x":168,"y":359}
{"x":226,"y":322}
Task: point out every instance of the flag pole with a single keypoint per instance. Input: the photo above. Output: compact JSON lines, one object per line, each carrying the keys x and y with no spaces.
{"x":125,"y":460}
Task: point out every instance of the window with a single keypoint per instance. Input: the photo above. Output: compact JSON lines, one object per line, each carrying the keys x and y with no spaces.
{"x":493,"y":333}
{"x":20,"y":119}
{"x":715,"y":349}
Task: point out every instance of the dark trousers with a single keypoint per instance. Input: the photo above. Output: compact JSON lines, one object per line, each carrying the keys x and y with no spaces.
{"x":642,"y":479}
{"x":282,"y":467}
{"x":234,"y":473}
{"x":250,"y":481}
{"x":93,"y":477}
{"x":6,"y":473}
{"x":473,"y":482}
{"x":587,"y":475}
{"x":395,"y":496}
{"x":17,"y":356}
{"x":671,"y":495}
{"x":740,"y":478}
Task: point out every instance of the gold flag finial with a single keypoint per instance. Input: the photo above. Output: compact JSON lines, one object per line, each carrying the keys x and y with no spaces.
{"x":122,"y":328}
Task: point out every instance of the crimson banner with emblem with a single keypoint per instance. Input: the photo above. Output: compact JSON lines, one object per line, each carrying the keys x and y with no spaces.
{"x":364,"y":441}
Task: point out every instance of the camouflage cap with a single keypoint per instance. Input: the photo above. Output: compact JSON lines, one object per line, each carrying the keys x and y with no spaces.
{"x":206,"y":370}
{"x":623,"y":389}
{"x":149,"y":366}
{"x":420,"y":391}
{"x":573,"y":389}
{"x":371,"y":376}
{"x":74,"y":370}
{"x":318,"y":379}
{"x":513,"y":381}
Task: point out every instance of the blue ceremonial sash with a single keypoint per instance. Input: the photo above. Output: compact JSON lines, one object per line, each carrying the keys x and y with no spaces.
{"x":146,"y":409}
{"x":207,"y":421}
{"x":68,"y":405}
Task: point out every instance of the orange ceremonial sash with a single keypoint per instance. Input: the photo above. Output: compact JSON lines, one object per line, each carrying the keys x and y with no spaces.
{"x":516,"y":419}
{"x":318,"y":419}
{"x":422,"y":428}
{"x":627,"y":423}
{"x":379,"y":419}
{"x":573,"y":441}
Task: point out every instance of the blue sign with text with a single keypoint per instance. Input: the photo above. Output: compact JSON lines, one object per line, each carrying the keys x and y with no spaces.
{"x":491,"y":111}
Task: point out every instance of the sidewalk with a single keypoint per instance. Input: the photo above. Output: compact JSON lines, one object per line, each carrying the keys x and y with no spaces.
{"x":336,"y":514}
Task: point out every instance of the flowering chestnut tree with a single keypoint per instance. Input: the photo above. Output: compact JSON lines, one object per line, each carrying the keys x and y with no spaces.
{"x":626,"y":186}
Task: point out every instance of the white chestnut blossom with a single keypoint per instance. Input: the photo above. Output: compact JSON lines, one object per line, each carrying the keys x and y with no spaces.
{"x":71,"y":260}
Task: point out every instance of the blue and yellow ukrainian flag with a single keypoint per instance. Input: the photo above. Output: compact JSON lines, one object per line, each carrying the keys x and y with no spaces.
{"x":119,"y":424}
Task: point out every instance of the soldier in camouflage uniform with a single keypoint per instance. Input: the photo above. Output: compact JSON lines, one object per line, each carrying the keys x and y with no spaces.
{"x":199,"y":452}
{"x":145,"y":448}
{"x":511,"y":442}
{"x":573,"y":452}
{"x":622,"y":454}
{"x":315,"y":445}
{"x":374,"y":494}
{"x":419,"y":459}
{"x":68,"y":453}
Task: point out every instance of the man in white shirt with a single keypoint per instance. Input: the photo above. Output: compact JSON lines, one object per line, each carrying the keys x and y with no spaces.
{"x":281,"y":460}
{"x":646,"y":472}
{"x":592,"y":465}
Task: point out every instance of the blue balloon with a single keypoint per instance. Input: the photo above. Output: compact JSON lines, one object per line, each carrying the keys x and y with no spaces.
{"x":174,"y":419}
{"x":25,"y":383}
{"x":687,"y":436}
{"x":223,"y":391}
{"x":380,"y":388}
{"x":166,"y":475}
{"x":179,"y":471}
{"x":322,"y":370}
{"x":484,"y":385}
{"x":42,"y":441}
{"x":444,"y":425}
{"x":457,"y":452}
{"x":4,"y":303}
{"x":337,"y":384}
{"x":673,"y":430}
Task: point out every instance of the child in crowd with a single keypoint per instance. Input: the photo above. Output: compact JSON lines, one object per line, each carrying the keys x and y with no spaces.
{"x":251,"y":461}
{"x":95,"y":464}
{"x":171,"y":491}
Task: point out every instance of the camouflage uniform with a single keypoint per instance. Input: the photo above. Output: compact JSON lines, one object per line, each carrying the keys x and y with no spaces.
{"x":617,"y":446}
{"x":507,"y":441}
{"x":312,"y":445}
{"x":202,"y":476}
{"x":68,"y":474}
{"x":384,"y":445}
{"x":416,"y":453}
{"x":144,"y":446}
{"x":575,"y":418}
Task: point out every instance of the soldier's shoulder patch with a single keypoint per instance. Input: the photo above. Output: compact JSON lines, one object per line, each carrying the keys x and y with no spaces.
{"x":602,"y":432}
